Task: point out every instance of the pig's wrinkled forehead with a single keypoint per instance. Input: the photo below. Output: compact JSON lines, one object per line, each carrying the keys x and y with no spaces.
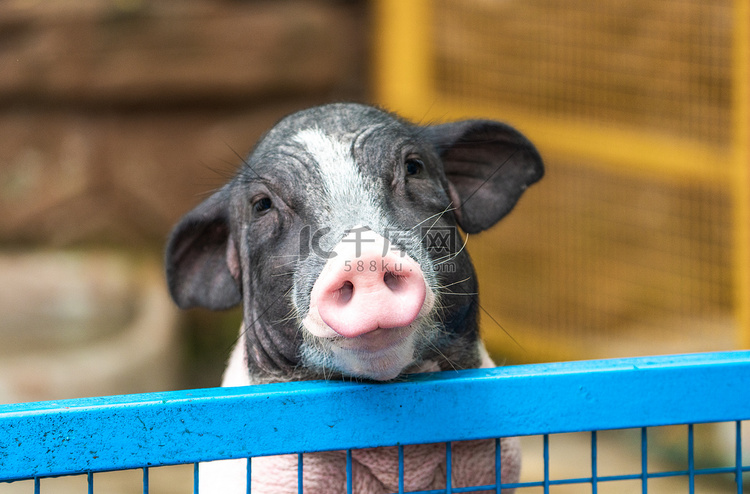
{"x":340,"y":124}
{"x":332,"y":157}
{"x":340,"y":118}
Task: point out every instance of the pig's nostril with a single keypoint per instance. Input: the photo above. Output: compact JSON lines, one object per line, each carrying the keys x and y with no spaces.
{"x":394,"y":282}
{"x":345,"y":293}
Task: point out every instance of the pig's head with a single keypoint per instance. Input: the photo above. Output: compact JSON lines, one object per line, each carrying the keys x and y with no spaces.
{"x":338,"y":235}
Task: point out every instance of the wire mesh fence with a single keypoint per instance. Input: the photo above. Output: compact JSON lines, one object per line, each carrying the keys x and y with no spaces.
{"x":627,"y":425}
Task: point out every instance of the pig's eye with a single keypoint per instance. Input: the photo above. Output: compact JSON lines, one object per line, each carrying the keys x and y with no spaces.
{"x":262,"y":205}
{"x":413,"y":166}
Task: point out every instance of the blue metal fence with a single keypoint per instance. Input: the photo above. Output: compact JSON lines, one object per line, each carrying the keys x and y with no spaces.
{"x":93,"y":435}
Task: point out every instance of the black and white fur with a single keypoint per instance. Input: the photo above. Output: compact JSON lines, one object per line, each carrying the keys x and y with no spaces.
{"x":326,"y":170}
{"x":311,"y":179}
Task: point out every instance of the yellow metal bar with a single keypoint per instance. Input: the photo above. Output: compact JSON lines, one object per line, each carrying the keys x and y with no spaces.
{"x":404,"y":56}
{"x":741,"y":158}
{"x":619,"y":149}
{"x":404,"y":81}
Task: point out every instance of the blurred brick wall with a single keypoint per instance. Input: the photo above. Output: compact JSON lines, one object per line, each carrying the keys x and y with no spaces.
{"x":118,"y":116}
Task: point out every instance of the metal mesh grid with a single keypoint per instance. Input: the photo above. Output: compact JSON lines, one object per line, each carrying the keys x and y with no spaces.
{"x":615,"y":265}
{"x":652,"y":424}
{"x":659,"y":66}
{"x":655,"y":469}
{"x":636,"y":241}
{"x":649,"y":467}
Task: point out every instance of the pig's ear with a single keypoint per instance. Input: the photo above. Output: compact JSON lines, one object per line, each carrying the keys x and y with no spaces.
{"x":488,"y":165}
{"x":201,"y":260}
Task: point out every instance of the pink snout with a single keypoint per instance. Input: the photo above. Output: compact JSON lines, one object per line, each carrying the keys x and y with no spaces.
{"x":368,"y":286}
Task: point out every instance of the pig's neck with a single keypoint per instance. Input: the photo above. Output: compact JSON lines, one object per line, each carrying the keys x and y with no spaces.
{"x":270,"y":353}
{"x":249,"y":365}
{"x":243,"y":371}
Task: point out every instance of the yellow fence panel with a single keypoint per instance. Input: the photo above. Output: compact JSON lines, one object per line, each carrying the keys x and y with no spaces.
{"x":637,"y":240}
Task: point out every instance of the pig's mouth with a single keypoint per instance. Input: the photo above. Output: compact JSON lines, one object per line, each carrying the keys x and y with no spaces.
{"x":375,"y":343}
{"x":380,"y":355}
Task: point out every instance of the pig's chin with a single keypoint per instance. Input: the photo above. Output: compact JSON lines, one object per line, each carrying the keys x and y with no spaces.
{"x":380,"y":355}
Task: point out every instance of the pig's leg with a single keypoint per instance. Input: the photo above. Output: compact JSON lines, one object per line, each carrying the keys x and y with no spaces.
{"x":473,"y":462}
{"x":323,"y":473}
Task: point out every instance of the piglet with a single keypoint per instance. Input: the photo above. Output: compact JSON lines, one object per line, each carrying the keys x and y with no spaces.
{"x":339,"y":237}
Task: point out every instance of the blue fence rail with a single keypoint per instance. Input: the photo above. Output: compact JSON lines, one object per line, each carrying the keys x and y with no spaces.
{"x":92,"y":435}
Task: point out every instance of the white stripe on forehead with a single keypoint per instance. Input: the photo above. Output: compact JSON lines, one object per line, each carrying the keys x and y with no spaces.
{"x":344,"y":185}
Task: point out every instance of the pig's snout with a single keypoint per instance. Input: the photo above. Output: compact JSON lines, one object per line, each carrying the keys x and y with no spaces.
{"x":368,"y":285}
